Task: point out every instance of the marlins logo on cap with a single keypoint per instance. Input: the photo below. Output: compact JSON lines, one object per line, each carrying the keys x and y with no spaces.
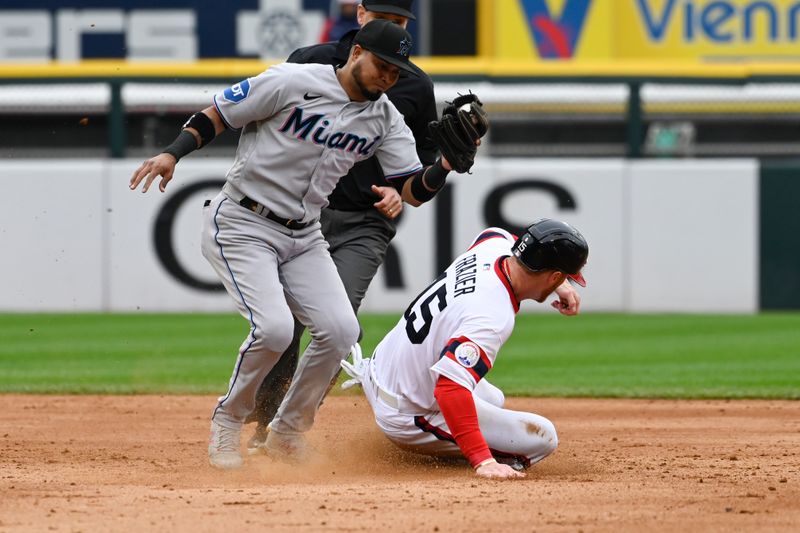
{"x":386,"y":40}
{"x":405,"y":47}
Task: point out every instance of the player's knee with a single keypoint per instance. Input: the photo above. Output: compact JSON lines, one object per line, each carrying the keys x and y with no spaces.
{"x":543,"y":438}
{"x":276,"y":333}
{"x":349,"y":332}
{"x":553,"y":441}
{"x":339,"y":332}
{"x":549,"y":437}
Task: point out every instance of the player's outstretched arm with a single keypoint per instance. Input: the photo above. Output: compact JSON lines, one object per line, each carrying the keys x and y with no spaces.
{"x":429,"y":181}
{"x":424,"y":185}
{"x":458,"y":408}
{"x":199,"y":130}
{"x":161,"y":165}
{"x":494,"y":470}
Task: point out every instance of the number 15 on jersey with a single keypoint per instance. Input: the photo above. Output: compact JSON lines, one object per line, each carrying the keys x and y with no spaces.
{"x":429,"y":303}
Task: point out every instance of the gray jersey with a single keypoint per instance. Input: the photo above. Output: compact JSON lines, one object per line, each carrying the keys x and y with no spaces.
{"x":301,"y":133}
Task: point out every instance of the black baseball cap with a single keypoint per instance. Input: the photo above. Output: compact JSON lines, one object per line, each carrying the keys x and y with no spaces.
{"x":386,"y":40}
{"x":395,"y":7}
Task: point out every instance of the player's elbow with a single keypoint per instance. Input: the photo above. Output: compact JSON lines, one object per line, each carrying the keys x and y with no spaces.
{"x":212,"y":113}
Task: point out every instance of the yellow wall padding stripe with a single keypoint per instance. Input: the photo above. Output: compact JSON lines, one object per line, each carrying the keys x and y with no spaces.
{"x":442,"y":66}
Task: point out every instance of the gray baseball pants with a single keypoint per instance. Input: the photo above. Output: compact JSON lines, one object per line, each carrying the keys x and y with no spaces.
{"x":358,"y":242}
{"x":272,"y":273}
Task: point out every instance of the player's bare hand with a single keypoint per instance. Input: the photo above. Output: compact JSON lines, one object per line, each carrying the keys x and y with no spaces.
{"x":161,"y":165}
{"x":569,"y":299}
{"x":390,"y":204}
{"x":498,"y":471}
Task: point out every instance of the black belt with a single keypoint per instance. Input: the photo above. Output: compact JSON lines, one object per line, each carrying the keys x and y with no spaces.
{"x":257,"y":208}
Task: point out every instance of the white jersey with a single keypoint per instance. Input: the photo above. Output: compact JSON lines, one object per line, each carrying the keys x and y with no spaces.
{"x":454,"y":328}
{"x":301,"y":133}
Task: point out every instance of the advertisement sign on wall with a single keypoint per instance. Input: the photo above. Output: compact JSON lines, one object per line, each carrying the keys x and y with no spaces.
{"x":37,"y":31}
{"x":552,"y":30}
{"x":642,"y":29}
{"x":707,"y":29}
{"x":677,"y":236}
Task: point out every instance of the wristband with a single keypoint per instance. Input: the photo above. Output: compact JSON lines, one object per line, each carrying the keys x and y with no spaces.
{"x":486,"y":462}
{"x":203,"y":125}
{"x":427,"y":183}
{"x":418,"y":189}
{"x":435,"y":175}
{"x":184,"y":144}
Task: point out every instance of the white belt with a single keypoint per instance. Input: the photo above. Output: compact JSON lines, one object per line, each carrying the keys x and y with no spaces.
{"x":358,"y":372}
{"x":386,"y":397}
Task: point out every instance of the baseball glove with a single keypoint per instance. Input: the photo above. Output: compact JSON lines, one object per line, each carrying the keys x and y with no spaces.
{"x":463,"y":122}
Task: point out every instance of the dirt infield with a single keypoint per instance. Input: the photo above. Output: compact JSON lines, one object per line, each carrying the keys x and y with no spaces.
{"x":124,"y":463}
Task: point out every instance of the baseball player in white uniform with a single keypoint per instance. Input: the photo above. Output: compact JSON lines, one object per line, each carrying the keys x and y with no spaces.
{"x":302,"y":127}
{"x":426,"y":379}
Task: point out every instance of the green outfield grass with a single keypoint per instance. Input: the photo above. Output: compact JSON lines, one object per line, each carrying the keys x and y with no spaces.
{"x":604,"y":355}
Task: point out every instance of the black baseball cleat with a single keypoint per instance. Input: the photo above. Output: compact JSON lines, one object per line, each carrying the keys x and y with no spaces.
{"x":514,"y":462}
{"x":256,"y":443}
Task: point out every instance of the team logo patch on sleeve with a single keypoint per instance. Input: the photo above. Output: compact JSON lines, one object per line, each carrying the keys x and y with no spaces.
{"x":468,"y":354}
{"x":238,"y":92}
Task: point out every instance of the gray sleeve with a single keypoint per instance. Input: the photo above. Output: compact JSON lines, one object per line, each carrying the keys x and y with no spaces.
{"x":253,"y":99}
{"x":397,"y":153}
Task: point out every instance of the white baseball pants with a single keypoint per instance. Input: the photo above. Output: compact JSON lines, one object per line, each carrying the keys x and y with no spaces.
{"x":527,"y":437}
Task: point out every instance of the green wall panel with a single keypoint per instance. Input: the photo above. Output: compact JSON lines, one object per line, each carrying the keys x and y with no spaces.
{"x":780,"y":235}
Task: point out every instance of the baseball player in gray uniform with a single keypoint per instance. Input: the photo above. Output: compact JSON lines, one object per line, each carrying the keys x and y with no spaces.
{"x":302,"y":127}
{"x":357,"y":232}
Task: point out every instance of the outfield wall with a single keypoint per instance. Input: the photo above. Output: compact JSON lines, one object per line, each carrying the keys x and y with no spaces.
{"x":665,"y":236}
